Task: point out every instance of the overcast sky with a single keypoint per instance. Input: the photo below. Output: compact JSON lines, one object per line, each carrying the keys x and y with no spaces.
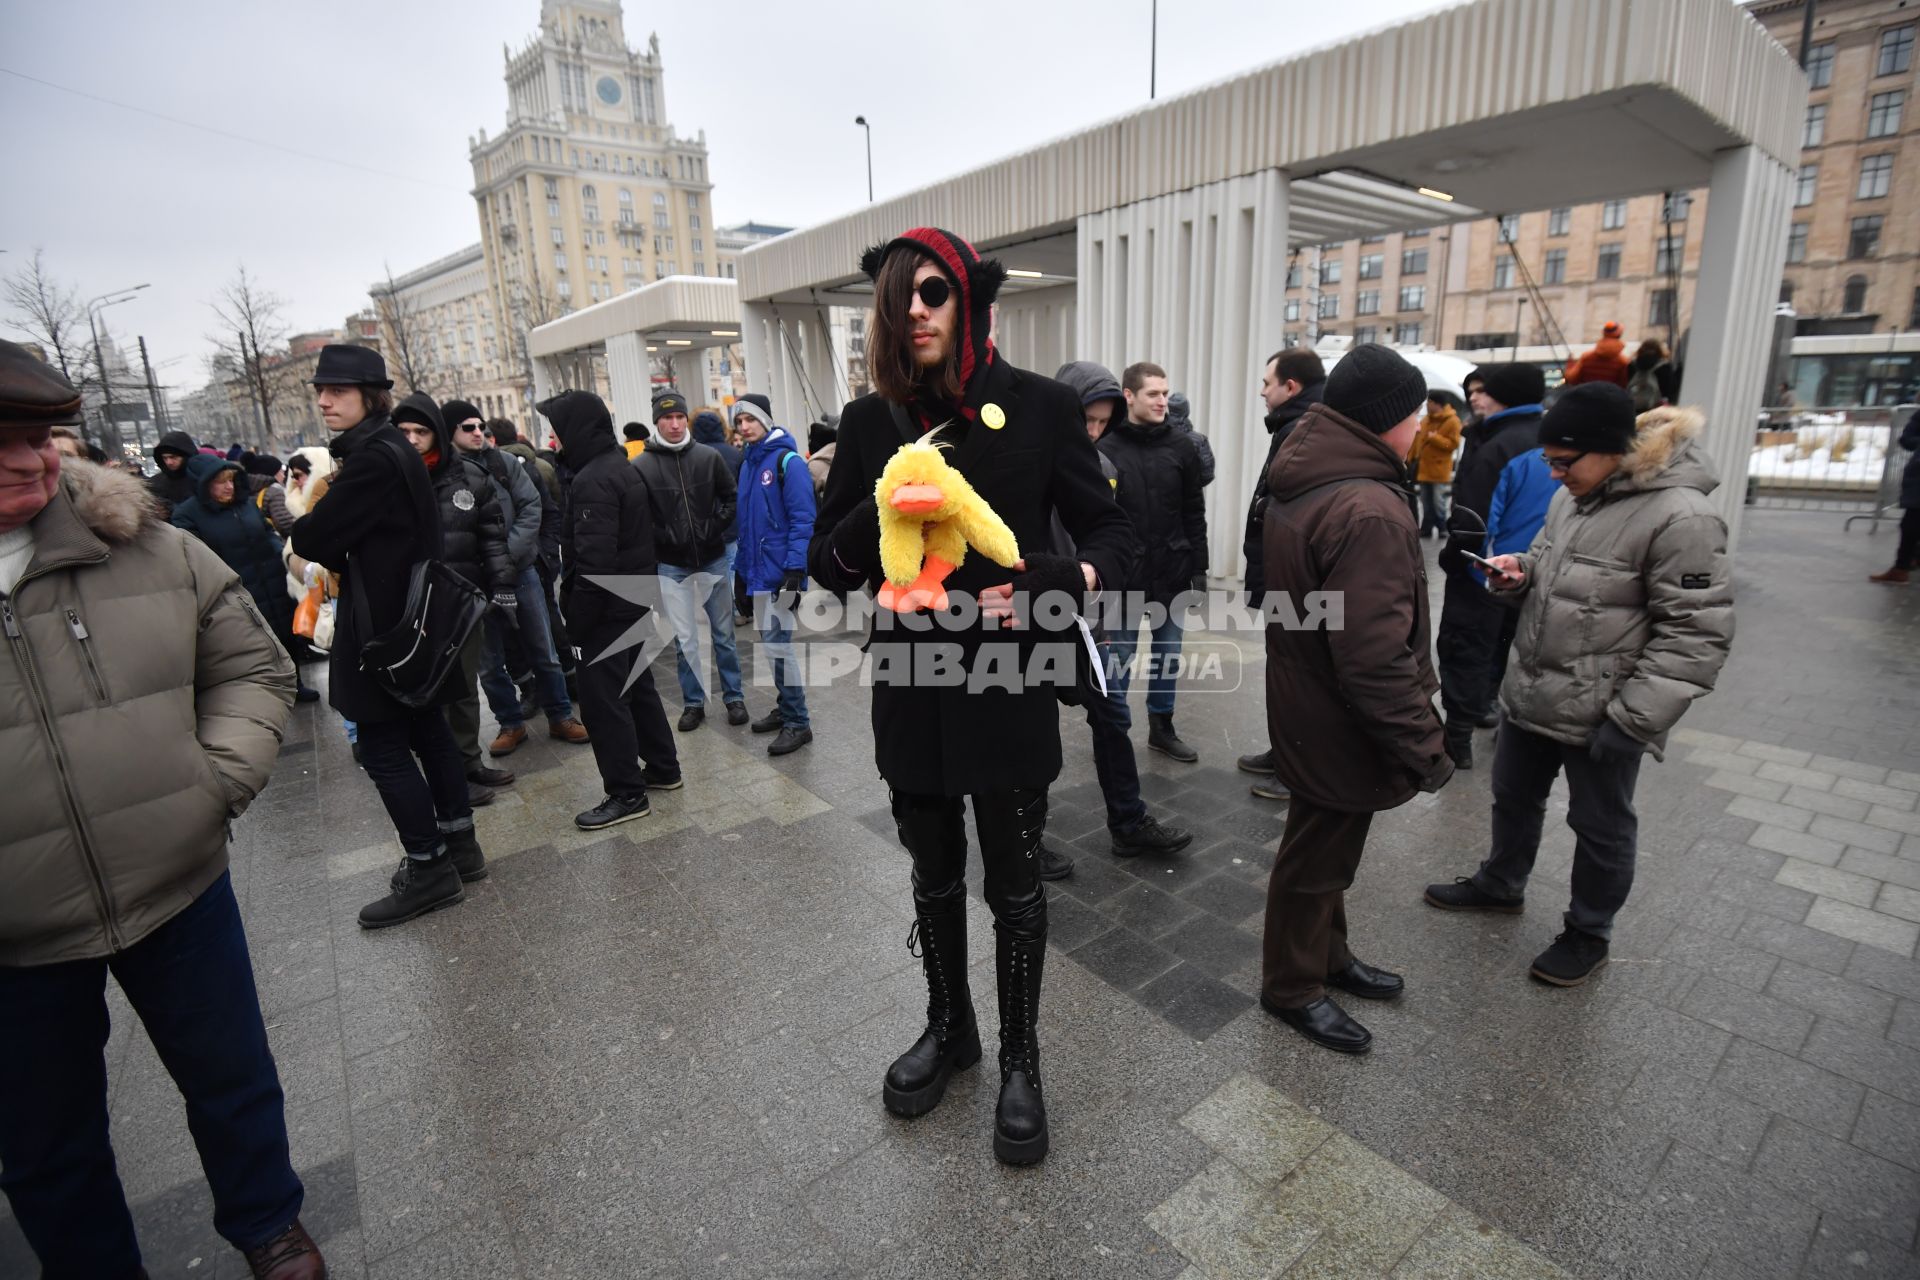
{"x":116,"y":197}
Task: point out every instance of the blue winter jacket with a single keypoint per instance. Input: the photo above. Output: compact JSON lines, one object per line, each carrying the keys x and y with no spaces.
{"x":1519,"y":505}
{"x":775,"y":512}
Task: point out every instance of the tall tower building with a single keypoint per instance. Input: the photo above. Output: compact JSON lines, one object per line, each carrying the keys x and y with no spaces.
{"x":589,"y":193}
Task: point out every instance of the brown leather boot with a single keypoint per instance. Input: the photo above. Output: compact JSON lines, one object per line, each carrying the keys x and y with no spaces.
{"x":568,"y":730}
{"x":1891,"y":575}
{"x":291,"y":1255}
{"x":508,"y":742}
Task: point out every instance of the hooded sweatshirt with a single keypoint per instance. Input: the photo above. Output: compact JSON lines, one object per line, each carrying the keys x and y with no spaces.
{"x":609,"y":524}
{"x":172,"y":487}
{"x":1605,"y":362}
{"x":236,"y":530}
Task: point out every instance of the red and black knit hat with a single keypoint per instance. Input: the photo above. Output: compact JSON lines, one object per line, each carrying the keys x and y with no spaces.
{"x":979,"y":280}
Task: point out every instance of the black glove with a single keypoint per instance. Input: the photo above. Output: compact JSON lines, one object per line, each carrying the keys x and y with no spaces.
{"x":856,"y":541}
{"x":1437,"y":777}
{"x":1046,"y":573}
{"x":793,"y":584}
{"x":507,"y":603}
{"x":1613,"y":745}
{"x":1199,"y":584}
{"x":1451,"y":561}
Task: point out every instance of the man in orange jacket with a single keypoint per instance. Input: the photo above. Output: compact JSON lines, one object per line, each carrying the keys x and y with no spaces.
{"x":1606,"y":362}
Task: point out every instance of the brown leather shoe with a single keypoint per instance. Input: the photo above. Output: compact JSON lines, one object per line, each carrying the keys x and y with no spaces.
{"x":291,"y":1255}
{"x":508,"y":742}
{"x":1891,"y":575}
{"x":567,"y":730}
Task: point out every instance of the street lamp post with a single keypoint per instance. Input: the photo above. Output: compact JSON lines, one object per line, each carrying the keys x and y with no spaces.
{"x":862,"y":122}
{"x":111,"y":298}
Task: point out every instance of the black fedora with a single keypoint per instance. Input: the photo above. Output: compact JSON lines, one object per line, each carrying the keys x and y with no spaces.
{"x":346,"y":365}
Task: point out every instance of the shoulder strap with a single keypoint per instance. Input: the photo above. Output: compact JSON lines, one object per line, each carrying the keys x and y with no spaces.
{"x":902,"y":423}
{"x":427,"y":509}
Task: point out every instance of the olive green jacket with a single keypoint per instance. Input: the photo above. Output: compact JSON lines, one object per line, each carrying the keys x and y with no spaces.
{"x":141,"y":704}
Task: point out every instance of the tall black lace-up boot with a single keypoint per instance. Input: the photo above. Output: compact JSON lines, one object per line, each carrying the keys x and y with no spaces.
{"x":1020,"y":1121}
{"x":917,"y":1080}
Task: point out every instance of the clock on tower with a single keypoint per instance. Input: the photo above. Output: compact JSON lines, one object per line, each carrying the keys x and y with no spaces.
{"x":609,"y":90}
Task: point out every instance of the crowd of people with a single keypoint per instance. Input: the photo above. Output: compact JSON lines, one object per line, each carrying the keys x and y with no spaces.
{"x":436,"y":556}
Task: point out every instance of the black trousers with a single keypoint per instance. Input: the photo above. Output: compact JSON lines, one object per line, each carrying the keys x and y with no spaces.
{"x":1010,"y":823}
{"x":1467,"y":645}
{"x":1306,"y":931}
{"x":1599,"y":809}
{"x":463,"y":716}
{"x":427,"y":799}
{"x":627,"y":723}
{"x":1908,"y":556}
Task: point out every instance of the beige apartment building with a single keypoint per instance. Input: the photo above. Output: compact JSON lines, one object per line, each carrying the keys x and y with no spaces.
{"x":438,"y":334}
{"x":1555,"y":276}
{"x":589,"y":192}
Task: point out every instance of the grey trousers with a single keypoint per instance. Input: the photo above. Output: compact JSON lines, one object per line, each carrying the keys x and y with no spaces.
{"x":463,"y":717}
{"x":1600,"y":811}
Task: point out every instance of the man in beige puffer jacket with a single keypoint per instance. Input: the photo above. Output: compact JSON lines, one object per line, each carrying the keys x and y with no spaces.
{"x":142,"y":698}
{"x":1626,"y":616}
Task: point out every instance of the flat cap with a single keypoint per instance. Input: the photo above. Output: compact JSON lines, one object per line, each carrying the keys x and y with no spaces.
{"x":32,"y":392}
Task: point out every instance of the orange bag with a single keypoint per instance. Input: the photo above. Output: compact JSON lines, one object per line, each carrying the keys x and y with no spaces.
{"x":307,"y":612}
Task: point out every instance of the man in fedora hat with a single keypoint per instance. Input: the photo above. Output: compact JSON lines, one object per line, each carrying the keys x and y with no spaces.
{"x":371,"y":531}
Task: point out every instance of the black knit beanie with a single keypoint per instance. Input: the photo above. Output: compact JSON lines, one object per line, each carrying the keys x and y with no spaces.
{"x":1513,"y":385}
{"x":1376,"y":387}
{"x":1593,"y":417}
{"x":666,"y":401}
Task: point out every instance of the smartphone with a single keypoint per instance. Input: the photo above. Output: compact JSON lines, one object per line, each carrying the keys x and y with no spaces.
{"x":1487,"y":564}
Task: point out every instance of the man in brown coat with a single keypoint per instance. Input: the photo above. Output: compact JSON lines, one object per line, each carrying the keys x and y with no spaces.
{"x":1350,"y":700}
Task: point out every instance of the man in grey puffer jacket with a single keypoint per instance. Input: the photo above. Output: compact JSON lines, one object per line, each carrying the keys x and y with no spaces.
{"x":1626,"y":616}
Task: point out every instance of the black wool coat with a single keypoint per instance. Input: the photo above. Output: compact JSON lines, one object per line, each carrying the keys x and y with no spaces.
{"x":950,"y":740}
{"x":371,"y":531}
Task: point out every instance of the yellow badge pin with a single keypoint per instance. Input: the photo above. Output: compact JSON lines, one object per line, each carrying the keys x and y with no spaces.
{"x":994,"y":416}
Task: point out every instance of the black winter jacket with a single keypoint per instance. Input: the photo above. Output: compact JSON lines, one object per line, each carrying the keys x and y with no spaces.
{"x":519,"y":501}
{"x":1279,"y":425}
{"x":473,"y":534}
{"x":711,"y":432}
{"x":1487,"y":449}
{"x":609,"y":524}
{"x":173,"y":487}
{"x":1160,"y":492}
{"x":239,"y":534}
{"x":694,"y":496}
{"x":371,"y":531}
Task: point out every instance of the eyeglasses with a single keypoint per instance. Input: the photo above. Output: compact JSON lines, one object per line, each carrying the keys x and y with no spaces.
{"x":468,"y":426}
{"x":1562,"y":465}
{"x":934,"y":291}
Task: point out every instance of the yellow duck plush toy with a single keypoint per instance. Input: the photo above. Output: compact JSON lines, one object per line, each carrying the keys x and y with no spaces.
{"x":928,"y":515}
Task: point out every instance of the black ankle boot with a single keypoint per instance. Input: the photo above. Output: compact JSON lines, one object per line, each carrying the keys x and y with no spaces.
{"x":1020,"y":1121}
{"x":917,"y":1080}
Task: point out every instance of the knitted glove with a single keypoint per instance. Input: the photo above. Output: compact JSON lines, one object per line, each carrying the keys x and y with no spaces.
{"x":506,"y":602}
{"x":1046,"y":573}
{"x":1612,"y":745}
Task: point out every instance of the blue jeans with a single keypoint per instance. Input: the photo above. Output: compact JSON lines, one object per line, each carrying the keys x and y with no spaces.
{"x":682,"y":602}
{"x":1121,"y":644}
{"x":1113,"y":762}
{"x":536,"y":637}
{"x":776,"y":634}
{"x":192,"y":985}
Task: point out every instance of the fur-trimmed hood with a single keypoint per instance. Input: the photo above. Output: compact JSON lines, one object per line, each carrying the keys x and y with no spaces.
{"x":114,"y":505}
{"x":1664,"y":455}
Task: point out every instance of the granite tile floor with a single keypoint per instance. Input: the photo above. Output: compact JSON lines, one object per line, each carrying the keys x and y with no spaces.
{"x":657,"y":1050}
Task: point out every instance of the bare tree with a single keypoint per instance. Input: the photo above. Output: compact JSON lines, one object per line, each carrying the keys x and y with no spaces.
{"x":250,"y":321}
{"x":532,"y":307}
{"x":403,"y":332}
{"x":49,"y":311}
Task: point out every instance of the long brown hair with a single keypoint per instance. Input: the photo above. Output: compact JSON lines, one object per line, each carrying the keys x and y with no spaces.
{"x":890,"y":360}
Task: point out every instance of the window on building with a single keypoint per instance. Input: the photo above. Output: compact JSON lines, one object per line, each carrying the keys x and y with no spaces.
{"x":1415,"y":233}
{"x":696,"y":245}
{"x":1413,"y":297}
{"x":1668,"y":251}
{"x":553,"y":189}
{"x":1293,"y":309}
{"x":1896,"y":51}
{"x":693,"y":222}
{"x":599,"y":237}
{"x":693,"y":201}
{"x":1660,"y":307}
{"x":559,"y":236}
{"x":553,"y":208}
{"x":1559,"y":222}
{"x":659,"y":199}
{"x":659,"y":271}
{"x":1330,"y":271}
{"x":564,"y":288}
{"x":1797,"y":242}
{"x":1371,"y":239}
{"x":662,"y":221}
{"x":626,"y":196}
{"x":1913,"y":317}
{"x":1367,"y":302}
{"x":1329,"y":306}
{"x":1808,"y":183}
{"x":1613,"y":215}
{"x":1820,"y":65}
{"x":1674,"y":207}
{"x":560,"y":261}
{"x":1363,"y":333}
{"x":1407,"y":335}
{"x":699,"y":268}
{"x":1883,"y":113}
{"x":588,"y":194}
{"x":1815,"y":131}
{"x":1372,"y":266}
{"x":1863,"y":238}
{"x":1293,"y":275}
{"x":1509,"y":227}
{"x":1876,"y":177}
{"x":590,"y":213}
{"x":573,"y":156}
{"x":1786,"y":292}
{"x":1555,"y":271}
{"x":1607,"y":265}
{"x":1503,"y":271}
{"x":729,"y":271}
{"x":1853,"y":299}
{"x":1413,"y":262}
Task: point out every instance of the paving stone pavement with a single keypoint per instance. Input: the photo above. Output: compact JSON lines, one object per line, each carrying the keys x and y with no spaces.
{"x":657,"y":1050}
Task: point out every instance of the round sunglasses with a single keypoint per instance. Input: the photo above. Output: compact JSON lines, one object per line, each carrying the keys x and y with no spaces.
{"x":934,"y":291}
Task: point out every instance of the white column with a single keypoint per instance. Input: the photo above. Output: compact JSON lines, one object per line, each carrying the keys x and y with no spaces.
{"x":1742,"y":254}
{"x":629,"y":378}
{"x":756,"y":334}
{"x":825,"y":371}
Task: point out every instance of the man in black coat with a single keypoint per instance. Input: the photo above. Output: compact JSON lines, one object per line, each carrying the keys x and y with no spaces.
{"x":1293,"y":382}
{"x":968,"y":729}
{"x":378,"y":520}
{"x":170,"y":484}
{"x":473,"y":542}
{"x":607,"y":592}
{"x":1161,"y":478}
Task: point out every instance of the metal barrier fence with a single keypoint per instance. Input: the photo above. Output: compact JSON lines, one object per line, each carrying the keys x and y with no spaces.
{"x":1839,"y":459}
